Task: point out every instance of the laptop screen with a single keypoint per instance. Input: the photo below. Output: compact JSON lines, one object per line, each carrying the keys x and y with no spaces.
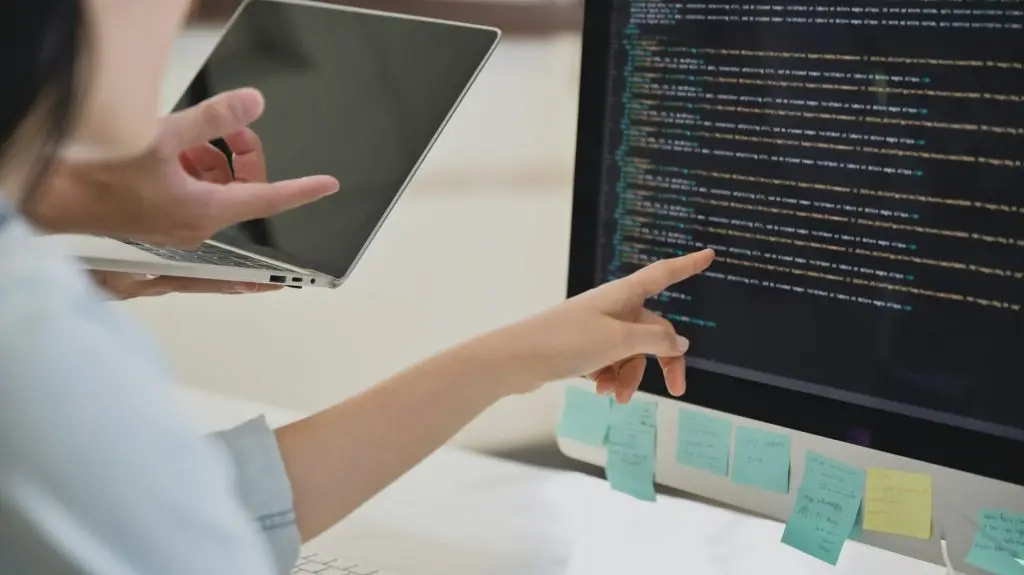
{"x":355,"y":95}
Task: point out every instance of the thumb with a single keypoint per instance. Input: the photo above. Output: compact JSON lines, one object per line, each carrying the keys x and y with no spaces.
{"x":210,"y":119}
{"x":657,"y":340}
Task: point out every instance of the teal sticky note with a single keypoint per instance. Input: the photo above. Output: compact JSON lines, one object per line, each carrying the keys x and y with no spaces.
{"x":632,"y":441}
{"x":826,"y":507}
{"x":636,"y":438}
{"x":703,"y":441}
{"x":998,"y":543}
{"x":585,"y":416}
{"x":636,"y":412}
{"x":631,"y":461}
{"x":761,"y":459}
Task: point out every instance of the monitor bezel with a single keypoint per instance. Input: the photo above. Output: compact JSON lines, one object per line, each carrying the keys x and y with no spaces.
{"x":939,"y":444}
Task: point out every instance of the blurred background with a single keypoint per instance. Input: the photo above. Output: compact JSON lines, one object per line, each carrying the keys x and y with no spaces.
{"x":479,"y":239}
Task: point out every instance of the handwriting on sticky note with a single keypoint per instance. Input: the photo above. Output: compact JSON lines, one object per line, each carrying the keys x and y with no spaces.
{"x":761,"y":459}
{"x":898,"y":503}
{"x":826,"y":507}
{"x":631,"y":472}
{"x":632,"y":448}
{"x":585,"y":416}
{"x":636,"y":412}
{"x":641,"y":439}
{"x":703,"y":441}
{"x":998,"y":543}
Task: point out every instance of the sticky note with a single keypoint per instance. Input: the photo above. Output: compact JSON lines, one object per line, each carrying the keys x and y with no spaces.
{"x":898,"y":503}
{"x":585,"y":416}
{"x":825,"y":509}
{"x":632,"y":448}
{"x":761,"y":459}
{"x":636,"y":412}
{"x":631,"y":472}
{"x":703,"y":441}
{"x":637,"y":438}
{"x":631,"y":460}
{"x":998,"y":543}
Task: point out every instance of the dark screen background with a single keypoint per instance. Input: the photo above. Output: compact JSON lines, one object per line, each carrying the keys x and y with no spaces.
{"x":866,"y":211}
{"x":352,"y":95}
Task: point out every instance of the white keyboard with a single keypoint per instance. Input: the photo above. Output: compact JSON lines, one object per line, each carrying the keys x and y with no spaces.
{"x":321,"y":564}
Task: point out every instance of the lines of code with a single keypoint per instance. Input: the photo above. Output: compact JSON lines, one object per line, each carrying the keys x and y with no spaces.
{"x":857,"y":168}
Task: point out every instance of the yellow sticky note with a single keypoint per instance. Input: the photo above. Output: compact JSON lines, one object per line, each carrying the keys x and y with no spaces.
{"x":898,"y":503}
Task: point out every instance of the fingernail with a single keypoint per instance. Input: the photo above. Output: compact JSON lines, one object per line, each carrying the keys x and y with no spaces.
{"x":684,"y":344}
{"x":144,"y":277}
{"x":243,"y":288}
{"x":333,"y":188}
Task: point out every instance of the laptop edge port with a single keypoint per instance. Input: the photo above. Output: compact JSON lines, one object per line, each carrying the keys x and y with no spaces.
{"x":278,"y":279}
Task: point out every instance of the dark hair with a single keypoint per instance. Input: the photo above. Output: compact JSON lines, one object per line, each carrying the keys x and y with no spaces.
{"x":40,"y":44}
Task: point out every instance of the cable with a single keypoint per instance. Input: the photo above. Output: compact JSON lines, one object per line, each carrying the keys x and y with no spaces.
{"x":945,"y":556}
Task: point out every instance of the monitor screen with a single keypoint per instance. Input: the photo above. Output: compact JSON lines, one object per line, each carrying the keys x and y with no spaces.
{"x":352,"y":94}
{"x":857,"y":166}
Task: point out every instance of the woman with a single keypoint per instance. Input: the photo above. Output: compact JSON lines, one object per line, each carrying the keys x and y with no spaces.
{"x":100,"y":471}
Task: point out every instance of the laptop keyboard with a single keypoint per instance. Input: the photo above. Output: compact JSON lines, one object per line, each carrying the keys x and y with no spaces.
{"x":321,"y":565}
{"x":208,"y":254}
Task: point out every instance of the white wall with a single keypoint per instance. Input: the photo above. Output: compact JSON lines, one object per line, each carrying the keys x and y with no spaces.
{"x":480,"y":238}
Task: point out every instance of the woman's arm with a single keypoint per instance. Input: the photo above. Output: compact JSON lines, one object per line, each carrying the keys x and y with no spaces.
{"x":339,"y":458}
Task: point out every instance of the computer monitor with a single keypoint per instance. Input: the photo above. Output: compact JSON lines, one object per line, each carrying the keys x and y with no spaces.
{"x":857,"y":166}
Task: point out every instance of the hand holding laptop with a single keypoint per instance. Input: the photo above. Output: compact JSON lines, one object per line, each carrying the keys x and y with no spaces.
{"x":357,"y":94}
{"x":124,"y":285}
{"x":182,"y":190}
{"x":180,"y":193}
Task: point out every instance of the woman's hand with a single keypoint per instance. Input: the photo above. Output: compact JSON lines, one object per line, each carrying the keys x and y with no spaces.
{"x":605,"y":333}
{"x":181,"y":191}
{"x":129,"y":286}
{"x":199,"y":169}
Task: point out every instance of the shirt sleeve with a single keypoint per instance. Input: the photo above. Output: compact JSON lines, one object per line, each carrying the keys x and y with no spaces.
{"x":264,"y":487}
{"x":101,"y":470}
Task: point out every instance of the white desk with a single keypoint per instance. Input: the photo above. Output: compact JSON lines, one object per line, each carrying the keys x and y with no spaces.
{"x":464,"y":513}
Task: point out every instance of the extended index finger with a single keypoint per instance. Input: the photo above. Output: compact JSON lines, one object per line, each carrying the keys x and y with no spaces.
{"x":251,"y":201}
{"x":656,"y":277}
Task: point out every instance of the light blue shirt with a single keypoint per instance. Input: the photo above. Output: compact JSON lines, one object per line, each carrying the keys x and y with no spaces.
{"x":101,"y":470}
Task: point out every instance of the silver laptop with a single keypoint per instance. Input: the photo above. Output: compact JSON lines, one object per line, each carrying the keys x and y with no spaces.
{"x":356,"y":94}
